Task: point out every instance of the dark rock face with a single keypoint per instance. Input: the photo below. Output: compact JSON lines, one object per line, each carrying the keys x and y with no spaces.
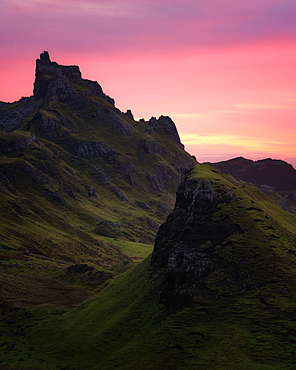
{"x":12,"y":119}
{"x":164,"y":125}
{"x":45,"y":56}
{"x":153,"y":224}
{"x":39,"y":177}
{"x":50,"y":122}
{"x":164,"y":208}
{"x":129,"y":114}
{"x":55,"y":196}
{"x":119,"y":194}
{"x":143,"y":205}
{"x":159,"y":181}
{"x":17,"y":144}
{"x":151,"y":147}
{"x":119,"y":125}
{"x":54,"y":82}
{"x":71,"y":193}
{"x":130,"y":180}
{"x":101,"y":174}
{"x":92,"y":191}
{"x":127,"y":165}
{"x":185,"y":244}
{"x":109,"y":229}
{"x":91,"y":149}
{"x":80,"y":268}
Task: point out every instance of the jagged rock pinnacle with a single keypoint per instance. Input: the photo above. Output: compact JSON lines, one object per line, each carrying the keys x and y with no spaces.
{"x":54,"y":82}
{"x":45,"y":56}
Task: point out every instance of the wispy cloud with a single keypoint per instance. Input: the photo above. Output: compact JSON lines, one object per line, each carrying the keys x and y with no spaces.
{"x":187,"y":115}
{"x":251,"y":106}
{"x":153,"y":24}
{"x":108,"y":8}
{"x":251,"y":143}
{"x":207,"y":114}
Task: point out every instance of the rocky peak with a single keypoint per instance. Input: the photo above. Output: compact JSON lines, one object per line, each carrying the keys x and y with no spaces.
{"x":184,"y":251}
{"x":54,"y":82}
{"x":221,"y":240}
{"x":165,"y":126}
{"x":45,"y":56}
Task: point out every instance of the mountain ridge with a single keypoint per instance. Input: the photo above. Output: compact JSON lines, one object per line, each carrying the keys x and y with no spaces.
{"x":276,"y":178}
{"x":81,"y":183}
{"x":71,"y":120}
{"x":273,"y":172}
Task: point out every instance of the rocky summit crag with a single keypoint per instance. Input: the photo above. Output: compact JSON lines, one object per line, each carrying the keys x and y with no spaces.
{"x":71,"y":160}
{"x":221,"y":239}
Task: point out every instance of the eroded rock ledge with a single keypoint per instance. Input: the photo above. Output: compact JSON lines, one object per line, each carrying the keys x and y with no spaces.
{"x":185,"y":247}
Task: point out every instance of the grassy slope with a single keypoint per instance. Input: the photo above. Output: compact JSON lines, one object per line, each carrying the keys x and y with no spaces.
{"x":123,"y":327}
{"x":31,"y":200}
{"x":48,"y":220}
{"x":32,"y":212}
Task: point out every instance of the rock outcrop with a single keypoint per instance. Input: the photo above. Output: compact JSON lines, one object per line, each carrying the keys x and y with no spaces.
{"x":12,"y":117}
{"x":50,"y":123}
{"x":17,"y":143}
{"x":54,"y":82}
{"x":216,"y":242}
{"x":89,"y":149}
{"x":185,"y":244}
{"x":162,"y":178}
{"x":165,"y":126}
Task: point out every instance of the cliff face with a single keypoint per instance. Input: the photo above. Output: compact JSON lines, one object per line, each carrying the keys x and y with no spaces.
{"x":56,"y":82}
{"x":218,"y":241}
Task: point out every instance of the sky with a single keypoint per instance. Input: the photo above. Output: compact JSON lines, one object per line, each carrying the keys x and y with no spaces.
{"x":223,"y":70}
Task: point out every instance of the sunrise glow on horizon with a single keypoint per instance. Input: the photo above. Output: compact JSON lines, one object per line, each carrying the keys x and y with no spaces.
{"x":223,"y":70}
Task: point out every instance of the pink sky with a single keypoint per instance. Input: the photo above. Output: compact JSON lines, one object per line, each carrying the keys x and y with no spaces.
{"x":223,"y":70}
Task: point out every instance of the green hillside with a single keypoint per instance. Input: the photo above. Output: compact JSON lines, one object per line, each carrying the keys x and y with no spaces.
{"x":73,"y":168}
{"x":81,"y":183}
{"x":83,"y":190}
{"x":239,"y":313}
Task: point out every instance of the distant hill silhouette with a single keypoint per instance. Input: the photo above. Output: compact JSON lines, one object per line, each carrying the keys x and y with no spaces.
{"x":276,"y":173}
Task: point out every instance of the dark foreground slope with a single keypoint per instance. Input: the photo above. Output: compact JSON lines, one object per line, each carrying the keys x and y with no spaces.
{"x":218,"y":292}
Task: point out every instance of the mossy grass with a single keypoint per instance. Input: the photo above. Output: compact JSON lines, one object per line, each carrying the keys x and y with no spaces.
{"x":137,"y":251}
{"x":123,"y":326}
